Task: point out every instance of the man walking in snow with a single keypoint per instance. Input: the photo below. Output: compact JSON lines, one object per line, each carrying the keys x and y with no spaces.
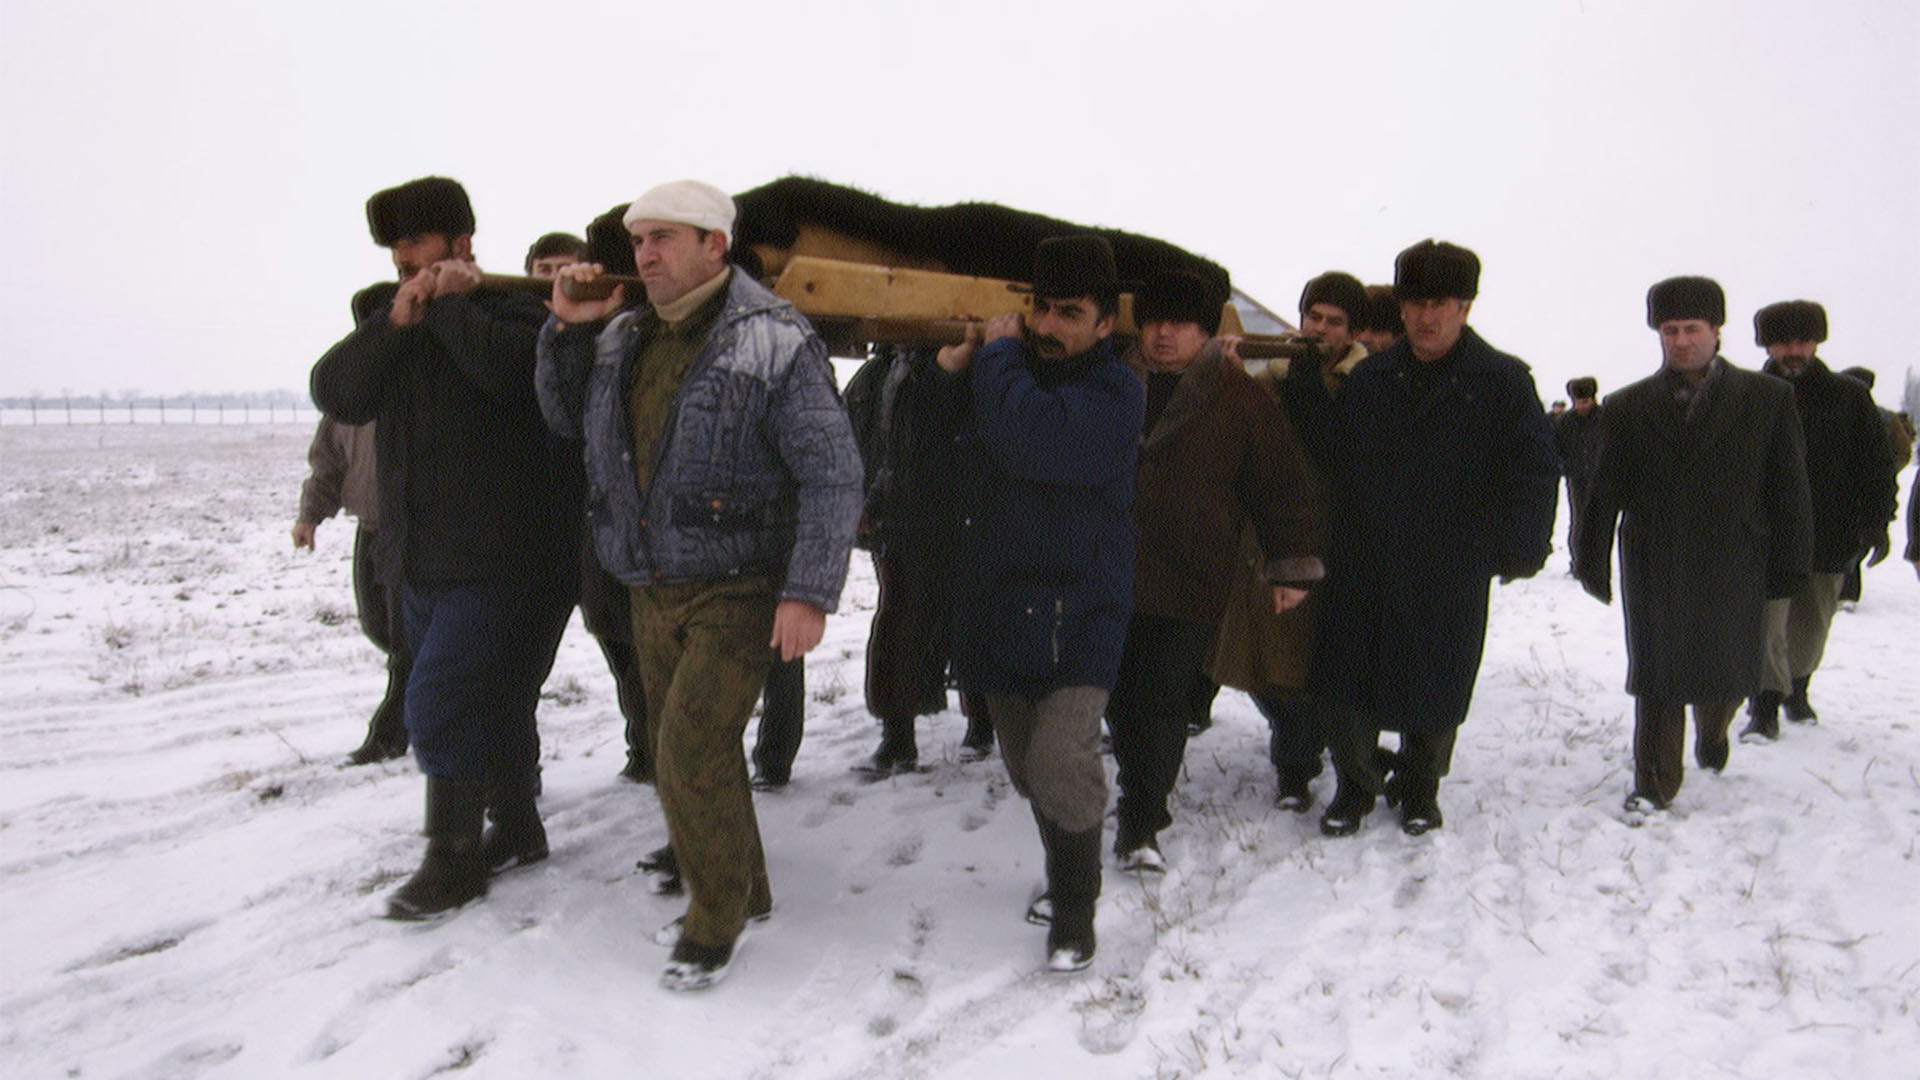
{"x":1216,"y":454}
{"x":1047,"y":555}
{"x":1850,"y":478}
{"x":1444,"y":478}
{"x":479,"y":530}
{"x":725,"y":491}
{"x":1702,"y":471}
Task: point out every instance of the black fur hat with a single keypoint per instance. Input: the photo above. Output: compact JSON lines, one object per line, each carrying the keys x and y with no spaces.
{"x":555,"y":243}
{"x":1178,"y":296}
{"x":1343,"y":291}
{"x":1436,"y":271}
{"x":429,"y":204}
{"x":1586,"y":386}
{"x":1383,"y":311}
{"x":1789,"y":320}
{"x":1687,"y":297}
{"x":1067,"y":266}
{"x":1864,"y":375}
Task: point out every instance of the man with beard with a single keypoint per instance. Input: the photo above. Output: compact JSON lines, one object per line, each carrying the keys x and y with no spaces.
{"x":479,"y":530}
{"x":1701,"y":468}
{"x":1850,"y":477}
{"x":1047,"y":556}
{"x":725,"y":489}
{"x":1215,"y":455}
{"x":1445,"y":477}
{"x":1576,"y":434}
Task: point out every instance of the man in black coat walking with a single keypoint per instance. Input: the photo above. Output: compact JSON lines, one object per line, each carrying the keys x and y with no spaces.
{"x":1445,"y":477}
{"x":479,"y":530}
{"x":1702,"y":471}
{"x":1576,"y":434}
{"x":1850,"y":478}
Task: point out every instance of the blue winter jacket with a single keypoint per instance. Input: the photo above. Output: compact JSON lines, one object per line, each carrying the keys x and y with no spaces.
{"x":755,"y":471}
{"x":1047,"y":540}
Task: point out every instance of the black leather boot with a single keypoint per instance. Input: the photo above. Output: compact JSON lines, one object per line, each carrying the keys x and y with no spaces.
{"x":899,"y":751}
{"x":977,"y":744}
{"x":1419,"y":803}
{"x":1351,"y":805}
{"x":1798,"y":709}
{"x":453,"y":871}
{"x":1763,"y":717}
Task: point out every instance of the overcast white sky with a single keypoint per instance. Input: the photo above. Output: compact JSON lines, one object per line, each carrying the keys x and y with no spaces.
{"x":182,"y":186}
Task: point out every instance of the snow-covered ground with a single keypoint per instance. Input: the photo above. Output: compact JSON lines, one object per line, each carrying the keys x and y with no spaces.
{"x":188,"y":879}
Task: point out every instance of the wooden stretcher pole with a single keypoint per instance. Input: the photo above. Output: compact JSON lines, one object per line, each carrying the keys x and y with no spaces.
{"x":857,"y":302}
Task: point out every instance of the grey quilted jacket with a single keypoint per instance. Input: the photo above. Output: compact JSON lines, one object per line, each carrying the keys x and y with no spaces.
{"x":755,"y":471}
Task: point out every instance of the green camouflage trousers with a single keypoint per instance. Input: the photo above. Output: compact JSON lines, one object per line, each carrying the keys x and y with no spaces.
{"x":703,"y":659}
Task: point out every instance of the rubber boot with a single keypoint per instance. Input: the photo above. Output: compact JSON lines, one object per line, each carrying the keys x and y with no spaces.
{"x":453,"y":871}
{"x":1798,"y":709}
{"x":1763,"y":712}
{"x":514,"y":835}
{"x":387,"y":730}
{"x":1073,"y":884}
{"x":898,"y":753}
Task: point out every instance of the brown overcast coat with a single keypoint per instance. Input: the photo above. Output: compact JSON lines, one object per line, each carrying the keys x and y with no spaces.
{"x":1221,"y":455}
{"x":1257,"y":650}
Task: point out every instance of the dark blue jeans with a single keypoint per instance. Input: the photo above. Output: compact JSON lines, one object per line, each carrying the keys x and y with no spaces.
{"x":481,"y":650}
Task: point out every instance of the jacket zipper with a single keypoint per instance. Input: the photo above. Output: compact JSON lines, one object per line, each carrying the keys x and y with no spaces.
{"x":1059,"y":614}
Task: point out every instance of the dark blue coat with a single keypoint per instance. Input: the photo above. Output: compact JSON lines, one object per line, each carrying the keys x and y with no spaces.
{"x":1045,"y":572}
{"x":1436,"y":493}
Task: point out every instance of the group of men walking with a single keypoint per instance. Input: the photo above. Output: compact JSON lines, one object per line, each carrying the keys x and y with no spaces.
{"x":1085,"y":532}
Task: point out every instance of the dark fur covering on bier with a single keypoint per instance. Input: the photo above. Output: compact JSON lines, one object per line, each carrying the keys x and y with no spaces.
{"x":1686,"y":297}
{"x":979,"y":239}
{"x":1789,"y":320}
{"x":428,"y":205}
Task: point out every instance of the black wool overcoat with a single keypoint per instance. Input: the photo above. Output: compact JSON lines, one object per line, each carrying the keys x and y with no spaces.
{"x":1441,"y":483}
{"x":1714,"y":518}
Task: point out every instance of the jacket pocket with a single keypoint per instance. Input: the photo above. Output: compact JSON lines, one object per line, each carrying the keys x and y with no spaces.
{"x":1028,"y":637}
{"x":721,"y":512}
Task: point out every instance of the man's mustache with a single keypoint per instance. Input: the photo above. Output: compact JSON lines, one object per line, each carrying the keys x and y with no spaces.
{"x":1036,"y":341}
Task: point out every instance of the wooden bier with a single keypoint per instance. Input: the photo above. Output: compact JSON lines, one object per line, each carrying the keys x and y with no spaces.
{"x":855,"y":304}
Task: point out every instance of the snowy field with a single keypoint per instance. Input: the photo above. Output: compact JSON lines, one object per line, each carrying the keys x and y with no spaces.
{"x":189,"y":881}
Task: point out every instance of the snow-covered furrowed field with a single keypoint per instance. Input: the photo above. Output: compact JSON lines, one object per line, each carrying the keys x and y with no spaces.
{"x":189,"y":881}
